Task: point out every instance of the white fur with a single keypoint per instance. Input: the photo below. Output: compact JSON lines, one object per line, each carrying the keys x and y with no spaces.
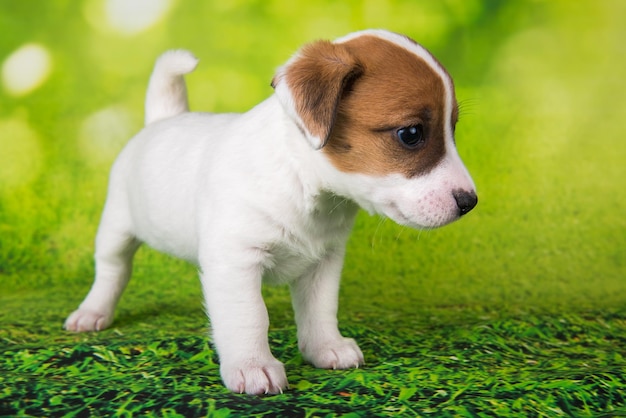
{"x":247,"y":198}
{"x":167,"y":94}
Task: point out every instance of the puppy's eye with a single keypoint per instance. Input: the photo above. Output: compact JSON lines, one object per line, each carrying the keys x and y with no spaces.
{"x":411,"y":136}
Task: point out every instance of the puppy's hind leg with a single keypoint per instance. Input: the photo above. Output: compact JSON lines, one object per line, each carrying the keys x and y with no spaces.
{"x":114,"y":254}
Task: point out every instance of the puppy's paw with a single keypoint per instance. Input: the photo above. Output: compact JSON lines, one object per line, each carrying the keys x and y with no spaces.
{"x":83,"y":320}
{"x":343,"y":353}
{"x":255,"y":377}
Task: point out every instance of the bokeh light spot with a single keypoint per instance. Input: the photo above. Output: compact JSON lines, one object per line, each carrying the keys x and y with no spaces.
{"x":133,"y":16}
{"x":125,"y":17}
{"x":26,"y":69}
{"x":103,"y":134}
{"x":20,"y":153}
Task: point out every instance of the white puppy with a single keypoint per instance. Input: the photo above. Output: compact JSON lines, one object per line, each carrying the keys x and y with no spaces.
{"x":271,"y":194}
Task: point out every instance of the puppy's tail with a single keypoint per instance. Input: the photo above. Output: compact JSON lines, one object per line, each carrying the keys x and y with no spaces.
{"x":167,"y":94}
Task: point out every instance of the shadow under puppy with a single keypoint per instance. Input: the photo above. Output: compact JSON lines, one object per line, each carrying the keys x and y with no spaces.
{"x":271,"y":194}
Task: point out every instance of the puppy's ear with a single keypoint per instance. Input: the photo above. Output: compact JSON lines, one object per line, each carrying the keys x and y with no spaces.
{"x":311,"y":84}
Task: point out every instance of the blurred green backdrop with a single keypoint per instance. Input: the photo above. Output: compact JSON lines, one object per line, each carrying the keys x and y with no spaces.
{"x":542,"y":130}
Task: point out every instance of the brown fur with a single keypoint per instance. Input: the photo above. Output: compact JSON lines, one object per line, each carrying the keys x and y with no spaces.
{"x":356,"y":95}
{"x":316,"y":79}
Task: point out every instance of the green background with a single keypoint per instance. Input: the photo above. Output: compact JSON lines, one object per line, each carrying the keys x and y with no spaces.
{"x":542,"y":130}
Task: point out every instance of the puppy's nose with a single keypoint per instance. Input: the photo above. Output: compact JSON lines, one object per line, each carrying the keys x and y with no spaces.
{"x":465,"y":200}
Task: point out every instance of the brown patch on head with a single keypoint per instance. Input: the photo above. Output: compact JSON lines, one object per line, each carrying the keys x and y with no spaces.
{"x":396,"y":89}
{"x":316,"y":79}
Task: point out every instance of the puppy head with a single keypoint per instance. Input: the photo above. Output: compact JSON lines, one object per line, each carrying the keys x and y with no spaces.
{"x":382,"y":111}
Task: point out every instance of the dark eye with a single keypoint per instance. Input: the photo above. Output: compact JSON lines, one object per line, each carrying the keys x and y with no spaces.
{"x":411,"y":136}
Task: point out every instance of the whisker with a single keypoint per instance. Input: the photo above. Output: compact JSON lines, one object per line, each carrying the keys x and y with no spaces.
{"x":402,"y":229}
{"x":381,"y":221}
{"x":466,"y":105}
{"x":341,"y":202}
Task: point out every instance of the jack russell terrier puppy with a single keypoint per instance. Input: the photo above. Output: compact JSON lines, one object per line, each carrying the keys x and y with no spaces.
{"x":271,"y":194}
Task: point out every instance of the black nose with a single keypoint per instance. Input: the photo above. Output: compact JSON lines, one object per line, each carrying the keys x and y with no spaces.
{"x":465,"y":200}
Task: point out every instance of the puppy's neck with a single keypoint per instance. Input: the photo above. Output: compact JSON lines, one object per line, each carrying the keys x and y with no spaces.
{"x":328,"y":203}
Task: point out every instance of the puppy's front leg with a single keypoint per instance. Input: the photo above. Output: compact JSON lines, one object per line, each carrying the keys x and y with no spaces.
{"x":315,"y":299}
{"x":240,"y":323}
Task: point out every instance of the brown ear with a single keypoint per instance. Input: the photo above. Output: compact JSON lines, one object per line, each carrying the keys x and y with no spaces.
{"x":311,"y":84}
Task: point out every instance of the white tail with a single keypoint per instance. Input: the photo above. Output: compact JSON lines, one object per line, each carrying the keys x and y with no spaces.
{"x":167,"y":94}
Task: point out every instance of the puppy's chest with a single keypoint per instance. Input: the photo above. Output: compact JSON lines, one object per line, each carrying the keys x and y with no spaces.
{"x":300,"y":250}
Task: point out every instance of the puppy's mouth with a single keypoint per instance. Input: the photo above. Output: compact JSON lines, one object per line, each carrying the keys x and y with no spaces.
{"x":417,"y":221}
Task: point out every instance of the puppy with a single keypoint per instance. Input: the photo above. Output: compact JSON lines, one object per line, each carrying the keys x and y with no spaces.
{"x":271,"y":194}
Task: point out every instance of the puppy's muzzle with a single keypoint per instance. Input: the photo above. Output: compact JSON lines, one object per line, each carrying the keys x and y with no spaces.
{"x":465,"y":200}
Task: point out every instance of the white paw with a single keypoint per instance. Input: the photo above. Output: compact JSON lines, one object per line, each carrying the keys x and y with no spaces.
{"x":83,"y":320}
{"x":343,"y":353}
{"x":255,"y":377}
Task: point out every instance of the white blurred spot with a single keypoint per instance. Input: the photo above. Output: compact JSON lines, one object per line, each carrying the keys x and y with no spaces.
{"x":130,"y":17}
{"x":103,"y":134}
{"x":20,"y":153}
{"x":26,"y":69}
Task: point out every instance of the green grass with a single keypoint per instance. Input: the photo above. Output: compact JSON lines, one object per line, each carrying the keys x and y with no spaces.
{"x":538,"y":366}
{"x":517,"y":310}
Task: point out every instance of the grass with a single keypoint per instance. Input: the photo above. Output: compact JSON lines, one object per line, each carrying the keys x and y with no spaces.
{"x":517,"y":310}
{"x":538,"y":366}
